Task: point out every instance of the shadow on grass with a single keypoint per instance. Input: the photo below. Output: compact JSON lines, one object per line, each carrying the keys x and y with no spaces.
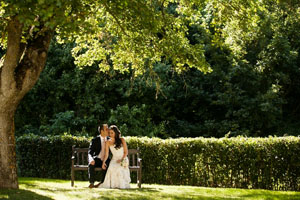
{"x":21,"y":195}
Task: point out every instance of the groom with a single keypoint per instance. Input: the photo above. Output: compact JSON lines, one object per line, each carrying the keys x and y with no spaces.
{"x":96,"y":153}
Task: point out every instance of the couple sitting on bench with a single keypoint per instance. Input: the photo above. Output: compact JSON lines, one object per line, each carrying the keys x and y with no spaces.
{"x":117,"y":169}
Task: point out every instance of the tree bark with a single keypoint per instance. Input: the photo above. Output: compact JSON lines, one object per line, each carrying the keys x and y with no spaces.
{"x":8,"y":168}
{"x":21,"y":69}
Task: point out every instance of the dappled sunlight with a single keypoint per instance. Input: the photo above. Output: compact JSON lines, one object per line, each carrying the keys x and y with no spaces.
{"x":48,"y":189}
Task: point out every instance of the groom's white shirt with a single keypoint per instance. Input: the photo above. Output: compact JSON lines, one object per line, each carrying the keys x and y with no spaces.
{"x":102,"y":151}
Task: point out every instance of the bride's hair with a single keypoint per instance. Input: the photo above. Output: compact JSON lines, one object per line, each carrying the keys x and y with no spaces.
{"x":118,"y":141}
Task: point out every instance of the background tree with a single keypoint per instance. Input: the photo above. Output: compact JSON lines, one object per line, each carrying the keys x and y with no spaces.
{"x":263,"y":35}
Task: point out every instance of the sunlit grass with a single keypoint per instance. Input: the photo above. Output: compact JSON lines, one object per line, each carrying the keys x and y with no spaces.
{"x":46,"y":189}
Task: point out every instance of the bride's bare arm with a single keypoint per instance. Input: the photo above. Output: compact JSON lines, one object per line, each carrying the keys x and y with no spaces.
{"x":125,"y":148}
{"x":107,"y":144}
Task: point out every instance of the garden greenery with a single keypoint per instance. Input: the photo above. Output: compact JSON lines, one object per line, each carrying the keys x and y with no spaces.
{"x":238,"y":162}
{"x":253,"y":89}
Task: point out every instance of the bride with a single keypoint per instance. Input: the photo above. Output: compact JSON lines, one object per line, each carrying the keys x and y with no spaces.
{"x":117,"y":175}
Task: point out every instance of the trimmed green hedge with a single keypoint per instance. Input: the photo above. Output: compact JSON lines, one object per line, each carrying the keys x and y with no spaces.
{"x":267,"y":163}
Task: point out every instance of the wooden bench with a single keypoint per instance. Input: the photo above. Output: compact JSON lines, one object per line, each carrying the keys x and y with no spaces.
{"x":80,"y":162}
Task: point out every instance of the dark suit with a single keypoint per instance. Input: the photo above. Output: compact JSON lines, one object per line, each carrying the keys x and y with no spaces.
{"x":94,"y":150}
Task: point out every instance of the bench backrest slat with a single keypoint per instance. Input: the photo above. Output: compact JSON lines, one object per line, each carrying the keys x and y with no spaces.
{"x":134,"y":160}
{"x":133,"y":151}
{"x":82,"y":158}
{"x":81,"y":149}
{"x":133,"y":155}
{"x":77,"y":155}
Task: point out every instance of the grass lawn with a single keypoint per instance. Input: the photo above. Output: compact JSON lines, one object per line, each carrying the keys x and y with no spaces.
{"x":46,"y":189}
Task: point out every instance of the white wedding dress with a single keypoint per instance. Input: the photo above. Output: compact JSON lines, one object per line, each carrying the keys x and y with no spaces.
{"x":117,"y":176}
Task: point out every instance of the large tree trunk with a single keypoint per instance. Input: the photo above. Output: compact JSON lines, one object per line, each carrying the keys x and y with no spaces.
{"x":8,"y":168}
{"x":21,"y":69}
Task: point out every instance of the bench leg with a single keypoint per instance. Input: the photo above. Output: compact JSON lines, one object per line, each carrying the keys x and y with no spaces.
{"x":139,"y":178}
{"x":72,"y":177}
{"x":139,"y":175}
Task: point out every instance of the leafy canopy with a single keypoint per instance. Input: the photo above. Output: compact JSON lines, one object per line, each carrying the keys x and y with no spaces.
{"x":120,"y":33}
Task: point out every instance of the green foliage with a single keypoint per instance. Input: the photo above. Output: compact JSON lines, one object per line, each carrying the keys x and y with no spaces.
{"x":190,"y":104}
{"x":46,"y":156}
{"x":62,"y":123}
{"x":262,"y":35}
{"x":253,"y":90}
{"x":129,"y":34}
{"x":267,"y":163}
{"x":136,"y":121}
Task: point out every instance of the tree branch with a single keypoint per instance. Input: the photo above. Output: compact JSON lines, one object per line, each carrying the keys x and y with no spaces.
{"x":12,"y":56}
{"x":33,"y":62}
{"x":117,"y":20}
